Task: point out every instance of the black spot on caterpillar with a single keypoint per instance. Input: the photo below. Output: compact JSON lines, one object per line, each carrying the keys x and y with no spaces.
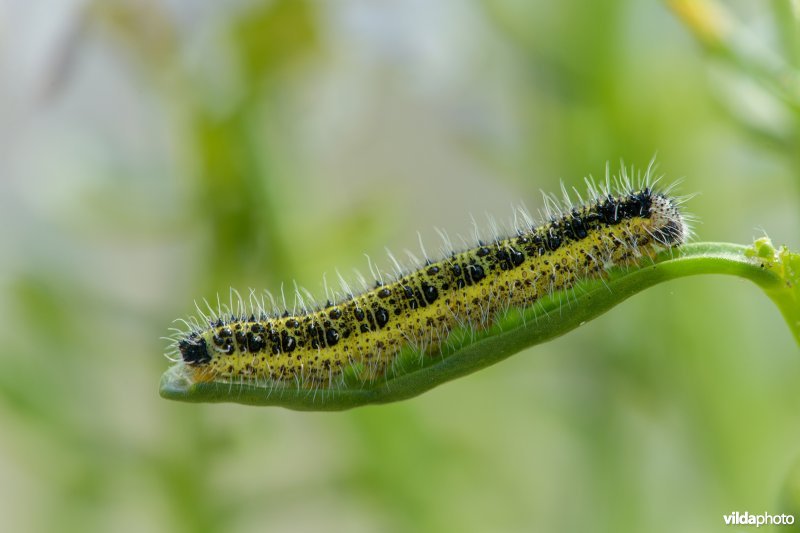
{"x":365,"y":332}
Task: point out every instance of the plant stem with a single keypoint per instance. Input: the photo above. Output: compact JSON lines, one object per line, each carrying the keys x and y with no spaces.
{"x":776,"y":271}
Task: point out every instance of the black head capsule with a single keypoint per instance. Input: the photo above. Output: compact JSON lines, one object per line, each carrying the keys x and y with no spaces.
{"x":194,"y":351}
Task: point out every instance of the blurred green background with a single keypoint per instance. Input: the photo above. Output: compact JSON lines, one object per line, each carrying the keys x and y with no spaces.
{"x":154,"y":153}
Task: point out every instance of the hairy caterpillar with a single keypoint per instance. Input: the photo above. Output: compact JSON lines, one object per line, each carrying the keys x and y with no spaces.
{"x":363,"y":333}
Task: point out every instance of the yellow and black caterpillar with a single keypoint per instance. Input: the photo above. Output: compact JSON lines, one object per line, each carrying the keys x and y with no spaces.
{"x":421,"y":307}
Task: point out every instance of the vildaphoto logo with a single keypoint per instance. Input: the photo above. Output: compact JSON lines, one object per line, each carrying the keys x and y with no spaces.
{"x":746,"y":519}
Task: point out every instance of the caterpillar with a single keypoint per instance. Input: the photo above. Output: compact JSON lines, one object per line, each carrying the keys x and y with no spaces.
{"x":364,"y":332}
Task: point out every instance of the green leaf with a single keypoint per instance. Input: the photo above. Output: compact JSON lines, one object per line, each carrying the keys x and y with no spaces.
{"x":776,"y":271}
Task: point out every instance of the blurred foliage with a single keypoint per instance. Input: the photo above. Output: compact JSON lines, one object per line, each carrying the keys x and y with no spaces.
{"x":193,"y":146}
{"x":771,"y":68}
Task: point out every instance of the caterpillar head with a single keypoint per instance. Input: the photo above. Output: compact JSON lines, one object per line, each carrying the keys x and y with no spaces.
{"x":668,"y":225}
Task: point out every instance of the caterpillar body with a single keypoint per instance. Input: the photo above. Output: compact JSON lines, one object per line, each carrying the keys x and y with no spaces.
{"x":365,"y":332}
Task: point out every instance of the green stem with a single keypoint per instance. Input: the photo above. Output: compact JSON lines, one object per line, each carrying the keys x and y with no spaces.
{"x":776,"y":271}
